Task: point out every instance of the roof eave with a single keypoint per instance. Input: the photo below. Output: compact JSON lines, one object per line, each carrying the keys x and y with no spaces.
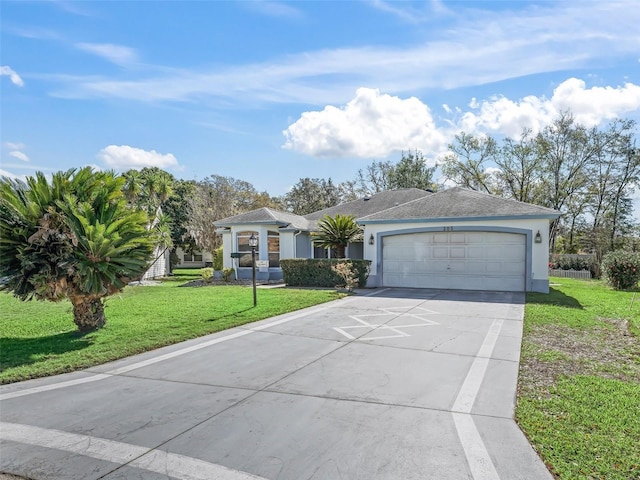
{"x":253,"y":222}
{"x":548,"y":216}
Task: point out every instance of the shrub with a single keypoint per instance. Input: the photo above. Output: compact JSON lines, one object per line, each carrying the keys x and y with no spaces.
{"x":206,"y":274}
{"x":346,"y":272}
{"x":226,"y":274}
{"x":217,"y":259}
{"x":621,"y":269}
{"x":307,"y":272}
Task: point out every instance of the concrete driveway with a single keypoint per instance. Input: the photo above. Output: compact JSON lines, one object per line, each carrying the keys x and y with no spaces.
{"x":388,"y":384}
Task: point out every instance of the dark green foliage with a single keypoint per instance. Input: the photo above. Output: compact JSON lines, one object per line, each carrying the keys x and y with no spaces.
{"x":621,"y":269}
{"x":411,"y":171}
{"x":305,"y":272}
{"x":337,"y":232}
{"x":312,"y":194}
{"x":218,"y":259}
{"x":74,"y":237}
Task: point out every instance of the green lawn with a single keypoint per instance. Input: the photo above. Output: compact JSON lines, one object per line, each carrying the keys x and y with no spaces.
{"x":579,"y":384}
{"x":39,"y":338}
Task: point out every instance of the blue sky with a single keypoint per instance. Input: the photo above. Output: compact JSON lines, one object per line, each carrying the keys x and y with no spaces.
{"x":271,"y":92}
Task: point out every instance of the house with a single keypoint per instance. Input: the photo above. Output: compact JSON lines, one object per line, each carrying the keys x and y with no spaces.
{"x":452,"y":239}
{"x":193,"y":259}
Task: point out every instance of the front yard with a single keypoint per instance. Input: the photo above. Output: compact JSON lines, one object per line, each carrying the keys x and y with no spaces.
{"x":39,"y":338}
{"x":579,"y":384}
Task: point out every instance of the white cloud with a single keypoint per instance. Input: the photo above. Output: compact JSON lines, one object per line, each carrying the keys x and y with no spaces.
{"x":122,"y":157}
{"x":5,"y":173}
{"x":408,"y":13}
{"x":375,"y":125}
{"x":94,"y":167}
{"x":590,"y":107}
{"x":476,"y":47}
{"x":118,"y":54}
{"x":19,"y":155}
{"x":14,"y":145}
{"x":593,"y":105}
{"x":13,"y":76}
{"x":370,"y":125}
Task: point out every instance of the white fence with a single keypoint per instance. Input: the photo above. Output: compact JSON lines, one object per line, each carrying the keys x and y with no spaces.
{"x":569,"y":273}
{"x":159,"y":267}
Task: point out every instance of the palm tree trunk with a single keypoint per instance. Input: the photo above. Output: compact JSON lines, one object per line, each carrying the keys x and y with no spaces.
{"x":88,"y":313}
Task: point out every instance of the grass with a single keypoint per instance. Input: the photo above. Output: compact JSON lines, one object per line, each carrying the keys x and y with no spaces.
{"x":39,"y":338}
{"x":579,"y":384}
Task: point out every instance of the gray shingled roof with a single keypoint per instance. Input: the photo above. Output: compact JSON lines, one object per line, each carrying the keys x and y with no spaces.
{"x":456,"y":203}
{"x":265,"y":216}
{"x":370,"y":205}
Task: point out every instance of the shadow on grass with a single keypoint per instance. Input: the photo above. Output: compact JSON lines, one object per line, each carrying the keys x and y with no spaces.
{"x":16,"y":352}
{"x":554,"y":297}
{"x":229,"y":315}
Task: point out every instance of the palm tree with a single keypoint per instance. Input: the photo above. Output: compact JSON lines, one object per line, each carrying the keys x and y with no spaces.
{"x":337,"y":232}
{"x":132,"y":186}
{"x":74,"y":238}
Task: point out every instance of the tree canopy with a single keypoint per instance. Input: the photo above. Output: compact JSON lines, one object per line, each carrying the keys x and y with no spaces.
{"x":588,"y":174}
{"x":217,"y":197}
{"x":411,"y":171}
{"x":311,"y":195}
{"x":75,"y":237}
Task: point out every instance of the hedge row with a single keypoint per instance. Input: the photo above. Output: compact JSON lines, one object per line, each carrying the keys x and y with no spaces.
{"x":567,"y":262}
{"x":305,"y":272}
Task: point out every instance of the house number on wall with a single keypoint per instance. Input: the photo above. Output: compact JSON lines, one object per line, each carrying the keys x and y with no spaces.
{"x":447,"y":229}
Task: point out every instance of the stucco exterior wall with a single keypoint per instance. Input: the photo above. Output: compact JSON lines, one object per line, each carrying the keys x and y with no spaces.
{"x":230,"y":244}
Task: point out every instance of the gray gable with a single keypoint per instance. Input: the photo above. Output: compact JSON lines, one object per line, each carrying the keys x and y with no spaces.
{"x":265,"y":216}
{"x":459,"y":203}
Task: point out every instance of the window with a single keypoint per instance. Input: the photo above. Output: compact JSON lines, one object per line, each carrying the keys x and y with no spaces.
{"x":321,"y":252}
{"x":244,"y":249}
{"x":192,"y":257}
{"x":274,"y":248}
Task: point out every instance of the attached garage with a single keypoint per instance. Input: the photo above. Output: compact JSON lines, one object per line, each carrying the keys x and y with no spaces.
{"x":455,"y":260}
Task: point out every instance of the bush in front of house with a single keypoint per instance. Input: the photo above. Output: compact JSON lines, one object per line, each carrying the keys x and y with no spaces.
{"x":226,"y":274}
{"x":347,"y":273}
{"x":206,"y":274}
{"x":217,"y":259}
{"x":621,"y":269}
{"x":316,"y":272}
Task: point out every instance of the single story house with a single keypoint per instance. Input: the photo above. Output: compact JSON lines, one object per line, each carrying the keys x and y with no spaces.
{"x":193,"y":259}
{"x":452,"y":239}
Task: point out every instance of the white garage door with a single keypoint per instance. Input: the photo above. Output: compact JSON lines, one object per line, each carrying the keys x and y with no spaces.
{"x":455,"y":260}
